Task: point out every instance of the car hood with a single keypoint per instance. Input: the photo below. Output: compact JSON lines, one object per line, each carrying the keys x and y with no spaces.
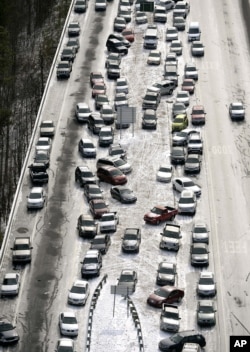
{"x":9,"y":288}
{"x":10,"y":333}
{"x":200,"y":256}
{"x":130,"y":243}
{"x":168,"y":277}
{"x":206,"y":287}
{"x":129,"y":196}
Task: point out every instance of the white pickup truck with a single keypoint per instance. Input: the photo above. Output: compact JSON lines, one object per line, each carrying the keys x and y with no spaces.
{"x":108,"y":222}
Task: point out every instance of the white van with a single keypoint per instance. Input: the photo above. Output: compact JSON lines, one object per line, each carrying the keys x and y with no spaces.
{"x":150,"y":39}
{"x":194,"y":32}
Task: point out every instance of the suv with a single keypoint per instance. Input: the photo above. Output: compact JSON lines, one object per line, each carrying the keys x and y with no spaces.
{"x":170,"y":237}
{"x":165,"y":87}
{"x":8,"y":333}
{"x":107,"y":114}
{"x":116,"y":162}
{"x":106,"y":136}
{"x":151,"y":100}
{"x":64,"y":69}
{"x":187,"y":202}
{"x":84,"y":175}
{"x":127,"y":280}
{"x":38,"y":173}
{"x":68,"y":54}
{"x":170,"y":318}
{"x":116,"y":46}
{"x":91,"y":264}
{"x":113,"y":70}
{"x":86,"y":226}
{"x":95,"y":123}
{"x":86,"y":148}
{"x":195,"y":143}
{"x":21,"y":250}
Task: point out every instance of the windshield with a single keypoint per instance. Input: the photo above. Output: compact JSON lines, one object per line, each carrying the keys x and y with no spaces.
{"x":166,"y":271}
{"x":199,"y":250}
{"x":206,"y":281}
{"x":160,"y":292}
{"x":165,"y":169}
{"x":11,"y":281}
{"x":154,"y":55}
{"x":69,"y":320}
{"x":178,"y":120}
{"x":43,"y":143}
{"x":87,"y":223}
{"x":86,"y":174}
{"x":35,"y":195}
{"x":188,"y":184}
{"x":192,"y":160}
{"x":47,"y":124}
{"x":186,"y":201}
{"x":6,"y":327}
{"x":78,"y":289}
{"x":156,"y":210}
{"x":116,"y":172}
{"x":200,"y":229}
{"x":100,"y":206}
{"x":90,"y":260}
{"x":98,"y":241}
{"x":120,"y":98}
{"x":130,"y":236}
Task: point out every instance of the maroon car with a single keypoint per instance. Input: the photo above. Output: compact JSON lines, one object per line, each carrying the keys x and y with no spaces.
{"x":98,"y":88}
{"x":128,"y":34}
{"x":188,"y":85}
{"x":96,"y":77}
{"x":111,"y":174}
{"x":165,"y":294}
{"x":98,"y":207}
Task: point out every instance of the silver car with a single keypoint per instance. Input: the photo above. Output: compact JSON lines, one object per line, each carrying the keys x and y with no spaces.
{"x":206,"y":284}
{"x":36,"y":198}
{"x":187,"y":202}
{"x":206,"y":313}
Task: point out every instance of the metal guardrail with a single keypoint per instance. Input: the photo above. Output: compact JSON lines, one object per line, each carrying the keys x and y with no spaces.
{"x":32,"y":139}
{"x":137,"y":322}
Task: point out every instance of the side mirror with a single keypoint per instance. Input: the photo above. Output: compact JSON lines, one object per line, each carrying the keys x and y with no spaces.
{"x":31,"y":247}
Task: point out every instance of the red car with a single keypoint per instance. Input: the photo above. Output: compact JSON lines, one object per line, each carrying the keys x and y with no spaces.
{"x":198,"y":115}
{"x":111,"y":174}
{"x":160,"y":213}
{"x":96,"y":77}
{"x":188,"y":85}
{"x":128,"y":34}
{"x":165,"y":294}
{"x":98,"y":207}
{"x":98,"y":88}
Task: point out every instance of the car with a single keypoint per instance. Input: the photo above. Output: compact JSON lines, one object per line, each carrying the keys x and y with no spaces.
{"x":68,"y":54}
{"x":100,"y":100}
{"x":121,"y":85}
{"x":107,"y":114}
{"x":165,"y":87}
{"x":21,"y":250}
{"x":47,"y":128}
{"x":129,"y":34}
{"x":179,"y":23}
{"x":237,"y":111}
{"x":111,"y":175}
{"x":42,"y":157}
{"x":119,"y":24}
{"x":101,"y":242}
{"x":82,"y":112}
{"x":141,"y":17}
{"x":8,"y":333}
{"x":43,"y":143}
{"x":86,"y":148}
{"x":84,"y":175}
{"x":80,"y":6}
{"x":131,"y":240}
{"x":126,"y":3}
{"x":120,"y":100}
{"x":190,"y":71}
{"x":117,"y":150}
{"x":178,"y":109}
{"x":164,"y":173}
{"x":182,"y":9}
{"x":206,"y":286}
{"x":192,"y":164}
{"x":87,"y":227}
{"x":63,"y":69}
{"x":38,"y":173}
{"x":74,"y":29}
{"x":151,"y":100}
{"x":171,"y":34}
{"x":121,"y":38}
{"x":92,"y":191}
{"x":188,"y":85}
{"x":123,"y":194}
{"x":11,"y":284}
{"x":177,"y":341}
{"x":206,"y":313}
{"x":165,"y":294}
{"x":36,"y":198}
{"x":154,"y":57}
{"x":166,"y":274}
{"x":187,"y":202}
{"x":100,"y":5}
{"x":171,"y":59}
{"x":74,"y":42}
{"x":159,"y":14}
{"x":195,"y":144}
{"x":170,"y":237}
{"x":128,"y":280}
{"x":65,"y":345}
{"x":149,"y":119}
{"x":200,"y":232}
{"x":68,"y":324}
{"x":182,"y":96}
{"x":199,"y":254}
{"x":116,"y":46}
{"x":98,"y":207}
{"x":96,"y":77}
{"x":168,"y":4}
{"x":98,"y":88}
{"x":170,"y":318}
{"x":160,"y":213}
{"x":113,"y":69}
{"x":198,"y":115}
{"x":120,"y":163}
{"x":171,"y":72}
{"x":197,"y":48}
{"x":113,"y":57}
{"x":125,"y":12}
{"x":185,"y":183}
{"x":179,"y":123}
{"x":79,"y":293}
{"x":176,"y":47}
{"x":181,"y":138}
{"x":91,"y":264}
{"x":106,"y":136}
{"x":177,"y":155}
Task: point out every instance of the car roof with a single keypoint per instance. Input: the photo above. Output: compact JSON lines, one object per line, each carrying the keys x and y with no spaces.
{"x":187,"y":193}
{"x":36,"y":190}
{"x":127,"y":272}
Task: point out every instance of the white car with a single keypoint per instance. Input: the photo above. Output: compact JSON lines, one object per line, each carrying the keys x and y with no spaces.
{"x":206,"y":284}
{"x":170,"y":318}
{"x":185,"y":183}
{"x":43,"y":143}
{"x":183,"y":97}
{"x":171,"y":34}
{"x":176,"y":47}
{"x":10,"y":285}
{"x":68,"y":324}
{"x":47,"y":128}
{"x":65,"y":345}
{"x":120,"y":100}
{"x":197,"y":48}
{"x":36,"y":198}
{"x":121,"y":85}
{"x":187,"y":203}
{"x":200,"y":232}
{"x":140,"y":17}
{"x":154,"y":57}
{"x":82,"y":112}
{"x":237,"y":111}
{"x":164,"y":173}
{"x":78,"y":293}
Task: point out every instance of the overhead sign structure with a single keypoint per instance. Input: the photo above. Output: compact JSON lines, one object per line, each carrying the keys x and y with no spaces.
{"x":147,"y":6}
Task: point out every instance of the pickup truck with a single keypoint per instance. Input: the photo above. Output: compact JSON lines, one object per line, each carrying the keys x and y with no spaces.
{"x":38,"y":173}
{"x":108,"y":222}
{"x":160,"y":213}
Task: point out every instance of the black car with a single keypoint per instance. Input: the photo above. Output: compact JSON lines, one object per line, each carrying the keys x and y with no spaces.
{"x":116,"y":46}
{"x":68,"y":54}
{"x":123,"y":194}
{"x":92,"y":191}
{"x":192,"y":164}
{"x":87,"y":227}
{"x":101,"y":242}
{"x":175,"y":342}
{"x":84,"y":175}
{"x":119,"y":37}
{"x":38,"y":173}
{"x":8,"y":333}
{"x":178,"y":155}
